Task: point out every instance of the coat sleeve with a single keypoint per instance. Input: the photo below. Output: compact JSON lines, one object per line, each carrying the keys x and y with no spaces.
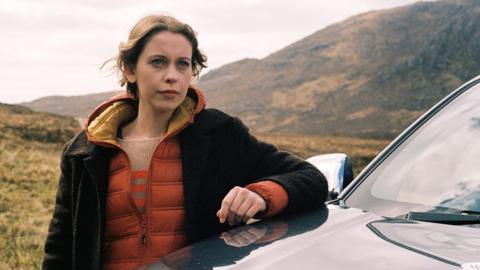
{"x":58,"y":245}
{"x":305,"y":185}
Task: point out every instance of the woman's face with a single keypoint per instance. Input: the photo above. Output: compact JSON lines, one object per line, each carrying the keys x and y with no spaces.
{"x":163,"y":71}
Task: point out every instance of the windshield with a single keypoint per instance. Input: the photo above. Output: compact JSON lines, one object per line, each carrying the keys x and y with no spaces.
{"x":436,"y":169}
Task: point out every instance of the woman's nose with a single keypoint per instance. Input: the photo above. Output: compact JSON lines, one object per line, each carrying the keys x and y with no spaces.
{"x":171,"y":75}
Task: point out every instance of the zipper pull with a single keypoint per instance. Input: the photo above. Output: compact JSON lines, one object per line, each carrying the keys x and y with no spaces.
{"x":144,"y":233}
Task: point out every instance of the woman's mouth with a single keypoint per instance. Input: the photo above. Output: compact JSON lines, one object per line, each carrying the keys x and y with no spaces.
{"x":169,"y":93}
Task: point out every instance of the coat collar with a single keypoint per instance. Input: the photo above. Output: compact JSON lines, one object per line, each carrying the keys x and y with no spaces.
{"x":205,"y":123}
{"x":102,"y":125}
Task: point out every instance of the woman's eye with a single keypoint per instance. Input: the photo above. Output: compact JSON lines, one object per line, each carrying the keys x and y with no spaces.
{"x":184,"y":64}
{"x":158,"y":62}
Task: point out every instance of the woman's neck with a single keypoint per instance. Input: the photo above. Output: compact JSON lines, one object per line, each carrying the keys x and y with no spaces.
{"x":148,"y":124}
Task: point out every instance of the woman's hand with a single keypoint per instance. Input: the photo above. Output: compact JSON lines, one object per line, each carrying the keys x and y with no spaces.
{"x":239,"y":205}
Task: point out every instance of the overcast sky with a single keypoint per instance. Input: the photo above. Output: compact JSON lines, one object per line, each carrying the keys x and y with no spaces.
{"x":55,"y":47}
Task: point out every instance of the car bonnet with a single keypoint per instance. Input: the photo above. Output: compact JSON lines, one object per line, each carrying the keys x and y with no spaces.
{"x":338,"y":238}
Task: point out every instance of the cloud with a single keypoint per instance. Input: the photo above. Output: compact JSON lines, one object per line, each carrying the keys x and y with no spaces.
{"x":57,"y":46}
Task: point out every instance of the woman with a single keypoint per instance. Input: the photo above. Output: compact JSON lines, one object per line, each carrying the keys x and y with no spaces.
{"x":154,"y":170}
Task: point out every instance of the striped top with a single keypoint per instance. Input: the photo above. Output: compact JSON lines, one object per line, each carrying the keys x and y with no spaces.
{"x":139,"y":153}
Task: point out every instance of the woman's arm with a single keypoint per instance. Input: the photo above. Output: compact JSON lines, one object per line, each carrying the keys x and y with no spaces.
{"x":305,"y":185}
{"x":278,"y":176}
{"x":58,"y":245}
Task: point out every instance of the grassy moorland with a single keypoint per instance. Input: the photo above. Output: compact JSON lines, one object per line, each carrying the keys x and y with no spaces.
{"x":361,"y":151}
{"x":30,"y":146}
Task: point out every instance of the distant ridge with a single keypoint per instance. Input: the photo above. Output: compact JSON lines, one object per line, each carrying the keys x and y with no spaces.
{"x":368,"y":76}
{"x":25,"y":126}
{"x":77,"y":106}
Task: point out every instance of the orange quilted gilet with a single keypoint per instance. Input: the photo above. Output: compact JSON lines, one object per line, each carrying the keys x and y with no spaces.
{"x":132,"y":239}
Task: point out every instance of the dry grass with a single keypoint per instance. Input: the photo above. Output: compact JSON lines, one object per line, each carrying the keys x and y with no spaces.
{"x":28,"y":176}
{"x":30,"y":145}
{"x":361,"y":151}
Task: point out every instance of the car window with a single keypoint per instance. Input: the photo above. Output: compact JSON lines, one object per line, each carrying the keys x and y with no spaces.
{"x":437,"y":167}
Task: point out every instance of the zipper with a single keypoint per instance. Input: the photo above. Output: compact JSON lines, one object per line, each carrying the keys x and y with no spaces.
{"x":144,"y":216}
{"x":144,"y":231}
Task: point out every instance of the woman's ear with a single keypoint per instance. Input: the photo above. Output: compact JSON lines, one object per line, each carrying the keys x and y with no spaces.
{"x":130,"y":74}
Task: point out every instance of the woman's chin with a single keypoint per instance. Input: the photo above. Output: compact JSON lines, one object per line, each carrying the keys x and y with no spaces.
{"x":164,"y":106}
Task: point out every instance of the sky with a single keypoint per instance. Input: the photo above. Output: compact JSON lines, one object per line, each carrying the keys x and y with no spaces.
{"x":56,"y":47}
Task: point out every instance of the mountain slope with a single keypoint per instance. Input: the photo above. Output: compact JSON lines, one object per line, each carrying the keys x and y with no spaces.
{"x":78,"y":106}
{"x":368,"y":76}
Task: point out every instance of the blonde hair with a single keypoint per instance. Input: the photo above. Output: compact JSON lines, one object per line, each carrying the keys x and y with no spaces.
{"x":141,"y":33}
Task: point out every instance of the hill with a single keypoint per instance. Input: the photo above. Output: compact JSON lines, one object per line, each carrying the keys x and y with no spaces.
{"x":369,"y":76}
{"x":24,"y":126}
{"x":77,"y":106}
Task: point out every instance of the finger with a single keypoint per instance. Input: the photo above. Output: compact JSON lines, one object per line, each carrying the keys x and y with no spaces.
{"x":242,"y":211}
{"x":226,"y":203}
{"x":237,"y":202}
{"x":252,"y":211}
{"x":220,"y":214}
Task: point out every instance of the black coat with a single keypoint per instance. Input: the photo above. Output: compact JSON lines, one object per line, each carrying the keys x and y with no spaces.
{"x":218,"y":153}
